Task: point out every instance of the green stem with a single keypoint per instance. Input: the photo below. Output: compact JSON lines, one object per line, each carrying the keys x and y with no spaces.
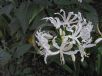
{"x":75,"y":73}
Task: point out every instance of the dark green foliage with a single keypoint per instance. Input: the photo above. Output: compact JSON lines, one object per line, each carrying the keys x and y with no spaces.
{"x":4,"y":57}
{"x":19,"y":19}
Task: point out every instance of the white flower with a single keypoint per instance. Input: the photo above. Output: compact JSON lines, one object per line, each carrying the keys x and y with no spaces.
{"x":73,"y":36}
{"x":43,"y":42}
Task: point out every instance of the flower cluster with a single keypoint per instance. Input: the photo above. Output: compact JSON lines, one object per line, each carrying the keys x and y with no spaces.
{"x":73,"y":36}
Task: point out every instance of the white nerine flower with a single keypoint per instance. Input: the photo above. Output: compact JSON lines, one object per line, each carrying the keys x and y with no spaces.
{"x":43,"y":42}
{"x":73,"y":36}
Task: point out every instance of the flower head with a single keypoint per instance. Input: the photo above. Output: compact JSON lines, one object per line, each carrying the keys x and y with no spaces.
{"x":73,"y":36}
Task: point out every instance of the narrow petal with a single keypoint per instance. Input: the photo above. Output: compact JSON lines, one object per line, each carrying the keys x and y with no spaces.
{"x":69,"y":16}
{"x":48,"y":36}
{"x":89,"y":45}
{"x":45,"y":59}
{"x":62,"y":58}
{"x":71,"y":52}
{"x":98,"y":40}
{"x":78,"y":29}
{"x":73,"y":57}
{"x":68,"y":47}
{"x":63,"y":16}
{"x":74,"y":18}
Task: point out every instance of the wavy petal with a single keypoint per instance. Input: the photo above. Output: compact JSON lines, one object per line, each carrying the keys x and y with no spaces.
{"x":98,"y":40}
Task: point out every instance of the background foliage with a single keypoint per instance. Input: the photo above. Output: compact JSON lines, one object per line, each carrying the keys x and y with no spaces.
{"x":19,"y":19}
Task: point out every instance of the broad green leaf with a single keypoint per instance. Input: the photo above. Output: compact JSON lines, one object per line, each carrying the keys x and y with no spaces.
{"x":3,"y":23}
{"x":18,"y":72}
{"x":21,"y":50}
{"x":99,"y":61}
{"x":43,"y":3}
{"x":21,"y":14}
{"x":4,"y":57}
{"x":1,"y":34}
{"x":27,"y":70}
{"x":6,"y":10}
{"x":68,"y":2}
{"x":30,"y":75}
{"x":100,"y":50}
{"x":84,"y":64}
{"x":65,"y":2}
{"x":14,"y":26}
{"x":87,"y":1}
{"x":12,"y":68}
{"x":26,"y":13}
{"x":66,"y":67}
{"x":38,"y":21}
{"x":35,"y":11}
{"x":90,"y":13}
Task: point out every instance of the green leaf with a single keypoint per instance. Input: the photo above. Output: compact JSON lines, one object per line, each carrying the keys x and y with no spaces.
{"x":6,"y":10}
{"x":65,"y":66}
{"x":21,"y":14}
{"x":27,"y":70}
{"x":90,"y":13}
{"x":65,"y":2}
{"x":4,"y":57}
{"x":26,"y":14}
{"x":18,"y":72}
{"x":84,"y":64}
{"x":99,"y":61}
{"x":1,"y":34}
{"x":3,"y":23}
{"x":21,"y":50}
{"x":87,"y":1}
{"x":12,"y":68}
{"x":100,"y":50}
{"x":36,"y":10}
{"x":68,"y":2}
{"x":14,"y":26}
{"x":43,"y":3}
{"x":38,"y":23}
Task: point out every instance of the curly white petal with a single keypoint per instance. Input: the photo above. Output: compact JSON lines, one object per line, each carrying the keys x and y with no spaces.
{"x":73,"y":57}
{"x":98,"y":40}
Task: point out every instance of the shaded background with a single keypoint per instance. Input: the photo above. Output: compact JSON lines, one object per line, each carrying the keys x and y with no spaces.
{"x":16,"y":39}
